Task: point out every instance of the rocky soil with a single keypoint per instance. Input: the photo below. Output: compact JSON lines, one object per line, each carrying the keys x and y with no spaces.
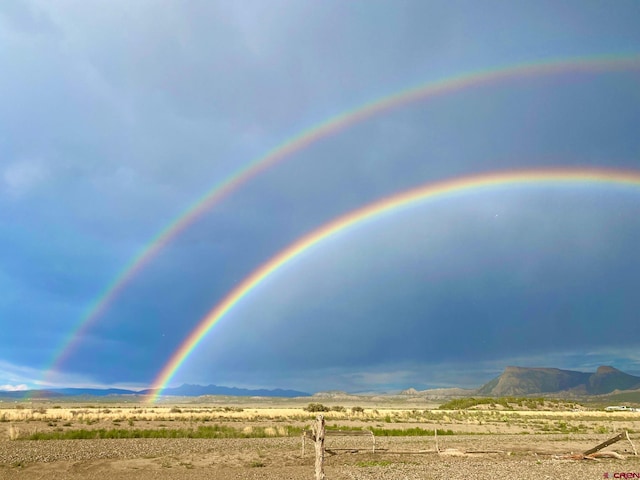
{"x":496,"y":457}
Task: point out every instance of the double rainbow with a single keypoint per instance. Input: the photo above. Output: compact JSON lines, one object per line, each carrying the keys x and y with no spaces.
{"x":375,"y":210}
{"x":449,"y":85}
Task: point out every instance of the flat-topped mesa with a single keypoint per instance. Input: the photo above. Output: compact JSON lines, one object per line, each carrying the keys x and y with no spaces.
{"x":608,"y":379}
{"x":604,"y":369}
{"x":514,"y":369}
{"x":516,"y":381}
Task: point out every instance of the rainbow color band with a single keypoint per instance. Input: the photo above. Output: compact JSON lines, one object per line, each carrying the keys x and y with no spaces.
{"x":370,"y":212}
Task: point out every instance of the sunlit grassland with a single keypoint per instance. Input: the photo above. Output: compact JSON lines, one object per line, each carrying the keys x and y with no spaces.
{"x":51,"y":421}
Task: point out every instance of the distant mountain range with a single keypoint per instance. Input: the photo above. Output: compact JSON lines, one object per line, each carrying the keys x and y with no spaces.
{"x":187,"y":390}
{"x":514,"y":381}
{"x":182,"y":391}
{"x":522,"y":381}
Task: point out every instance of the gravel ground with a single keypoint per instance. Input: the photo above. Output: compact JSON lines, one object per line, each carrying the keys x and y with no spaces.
{"x":522,"y":457}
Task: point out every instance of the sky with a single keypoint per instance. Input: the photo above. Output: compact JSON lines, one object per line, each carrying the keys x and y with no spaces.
{"x":118,"y":116}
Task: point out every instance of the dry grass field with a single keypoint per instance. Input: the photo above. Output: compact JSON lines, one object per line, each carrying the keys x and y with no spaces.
{"x":261,"y":438}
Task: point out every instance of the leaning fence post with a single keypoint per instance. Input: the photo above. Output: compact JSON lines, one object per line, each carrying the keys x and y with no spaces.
{"x":611,"y":441}
{"x":318,"y":431}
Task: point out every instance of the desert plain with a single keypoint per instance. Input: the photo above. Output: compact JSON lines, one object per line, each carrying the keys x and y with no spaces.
{"x":257,"y":438}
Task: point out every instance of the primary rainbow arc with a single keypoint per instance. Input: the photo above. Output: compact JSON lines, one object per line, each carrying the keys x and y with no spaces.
{"x":449,"y":85}
{"x":372,"y":211}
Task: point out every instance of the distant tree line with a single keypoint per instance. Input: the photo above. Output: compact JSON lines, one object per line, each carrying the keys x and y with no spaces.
{"x":318,"y":407}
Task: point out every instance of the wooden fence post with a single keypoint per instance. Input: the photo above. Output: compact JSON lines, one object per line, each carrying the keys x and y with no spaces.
{"x":635,"y":452}
{"x":319,"y":437}
{"x":611,"y":441}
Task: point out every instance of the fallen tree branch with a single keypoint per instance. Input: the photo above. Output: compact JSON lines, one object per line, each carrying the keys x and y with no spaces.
{"x":575,"y":456}
{"x":606,"y":455}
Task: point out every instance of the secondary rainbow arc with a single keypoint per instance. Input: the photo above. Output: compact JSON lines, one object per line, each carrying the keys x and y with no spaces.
{"x":369,"y":212}
{"x":448,"y":85}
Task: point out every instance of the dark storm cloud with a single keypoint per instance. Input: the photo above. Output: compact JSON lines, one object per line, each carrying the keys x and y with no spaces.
{"x":538,"y":276}
{"x":117,"y":117}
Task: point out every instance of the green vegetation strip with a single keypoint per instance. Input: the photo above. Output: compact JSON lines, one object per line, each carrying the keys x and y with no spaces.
{"x":373,"y":463}
{"x":408,"y":432}
{"x":216,"y":431}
